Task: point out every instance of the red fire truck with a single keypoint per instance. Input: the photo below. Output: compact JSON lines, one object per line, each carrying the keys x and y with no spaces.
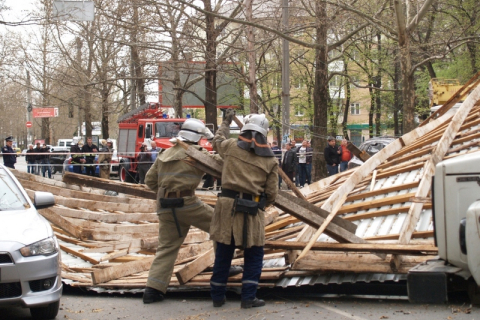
{"x":143,"y":125}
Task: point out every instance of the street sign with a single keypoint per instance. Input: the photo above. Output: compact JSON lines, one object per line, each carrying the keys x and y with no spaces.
{"x":45,"y":112}
{"x":29,"y":124}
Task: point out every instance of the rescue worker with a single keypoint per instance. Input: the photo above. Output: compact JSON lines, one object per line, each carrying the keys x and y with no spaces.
{"x":30,"y":158}
{"x":105,"y":157}
{"x":175,"y":182}
{"x":78,"y":158}
{"x":249,"y":184}
{"x":90,"y":149}
{"x":9,"y":155}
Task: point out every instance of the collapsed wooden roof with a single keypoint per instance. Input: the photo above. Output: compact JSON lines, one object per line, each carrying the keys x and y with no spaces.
{"x":376,"y":218}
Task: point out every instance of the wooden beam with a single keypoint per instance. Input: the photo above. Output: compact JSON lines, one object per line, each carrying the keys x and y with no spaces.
{"x":369,"y":194}
{"x":352,"y":208}
{"x":61,"y":222}
{"x":193,"y":268}
{"x":105,"y":217}
{"x":387,"y":248}
{"x":78,"y":254}
{"x":127,"y":188}
{"x":362,"y":155}
{"x":122,"y":270}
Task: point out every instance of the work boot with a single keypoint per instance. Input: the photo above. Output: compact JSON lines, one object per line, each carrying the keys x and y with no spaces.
{"x":219,"y":303}
{"x":152,"y":295}
{"x":234,"y":270}
{"x":247,"y":304}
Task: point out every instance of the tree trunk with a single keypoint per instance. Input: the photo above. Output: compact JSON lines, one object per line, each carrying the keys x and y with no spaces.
{"x":105,"y":111}
{"x":372,"y":106}
{"x":378,"y":84}
{"x":348,"y":95}
{"x":397,"y":97}
{"x":408,"y":94}
{"x":320,"y":94}
{"x":210,"y":68}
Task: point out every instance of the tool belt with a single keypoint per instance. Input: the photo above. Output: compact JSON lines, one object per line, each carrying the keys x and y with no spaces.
{"x":244,"y":203}
{"x":179,"y":194}
{"x":172,"y":203}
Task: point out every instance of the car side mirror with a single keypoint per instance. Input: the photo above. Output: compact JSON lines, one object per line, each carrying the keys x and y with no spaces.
{"x":43,"y":200}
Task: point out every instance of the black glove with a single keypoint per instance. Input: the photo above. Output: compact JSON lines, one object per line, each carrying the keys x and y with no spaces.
{"x":229,"y":114}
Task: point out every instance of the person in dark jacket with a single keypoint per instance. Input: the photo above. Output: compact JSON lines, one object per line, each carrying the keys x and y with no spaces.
{"x":38,"y":158}
{"x":9,"y":155}
{"x":332,"y":156}
{"x":289,"y":163}
{"x":90,"y":149}
{"x":144,"y":160}
{"x":45,"y":157}
{"x":30,"y":158}
{"x":304,"y":158}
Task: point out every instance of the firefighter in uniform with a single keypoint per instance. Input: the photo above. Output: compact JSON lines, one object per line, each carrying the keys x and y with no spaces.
{"x":9,"y":155}
{"x":105,"y":157}
{"x":249,"y":184}
{"x":178,"y":208}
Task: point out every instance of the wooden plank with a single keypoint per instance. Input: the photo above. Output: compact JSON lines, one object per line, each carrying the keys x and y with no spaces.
{"x":357,"y":247}
{"x":61,"y":222}
{"x":351,"y":208}
{"x":77,"y":194}
{"x":281,"y":223}
{"x":126,"y":188}
{"x":369,"y":194}
{"x":105,"y":217}
{"x":417,"y":234}
{"x":125,"y":269}
{"x":78,"y":254}
{"x":115,"y":254}
{"x":193,"y":268}
{"x":374,"y":177}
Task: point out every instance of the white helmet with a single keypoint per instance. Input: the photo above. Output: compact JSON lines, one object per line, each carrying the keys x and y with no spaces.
{"x":192,"y":130}
{"x":75,"y":140}
{"x":256,"y":122}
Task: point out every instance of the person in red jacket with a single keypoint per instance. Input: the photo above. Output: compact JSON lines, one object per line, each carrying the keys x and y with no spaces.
{"x":345,"y":157}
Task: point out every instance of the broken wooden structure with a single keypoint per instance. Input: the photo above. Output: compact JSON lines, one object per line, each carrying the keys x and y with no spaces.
{"x":374,"y":219}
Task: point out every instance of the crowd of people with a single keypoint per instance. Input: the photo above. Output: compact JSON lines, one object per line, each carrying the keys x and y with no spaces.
{"x":83,"y":157}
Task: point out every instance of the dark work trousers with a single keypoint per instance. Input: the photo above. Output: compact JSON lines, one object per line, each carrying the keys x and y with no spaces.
{"x":77,"y":168}
{"x":252,"y":269}
{"x":31,"y":167}
{"x":90,"y":170}
{"x":46,"y":168}
{"x":331,"y":170}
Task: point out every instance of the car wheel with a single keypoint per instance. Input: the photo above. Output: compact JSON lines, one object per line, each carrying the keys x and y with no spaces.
{"x":125,"y":175}
{"x":47,"y":312}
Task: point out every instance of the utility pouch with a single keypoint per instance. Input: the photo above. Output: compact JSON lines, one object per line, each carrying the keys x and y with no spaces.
{"x":246,"y":206}
{"x":171,"y":203}
{"x":262,"y":203}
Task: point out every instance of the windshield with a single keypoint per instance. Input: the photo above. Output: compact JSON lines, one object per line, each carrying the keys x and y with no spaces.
{"x":11,"y":198}
{"x":167,"y":129}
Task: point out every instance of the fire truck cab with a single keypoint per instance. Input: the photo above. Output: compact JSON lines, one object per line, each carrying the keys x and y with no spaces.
{"x":144,"y":125}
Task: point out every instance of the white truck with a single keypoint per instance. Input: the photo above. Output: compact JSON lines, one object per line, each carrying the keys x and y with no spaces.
{"x":456,"y":215}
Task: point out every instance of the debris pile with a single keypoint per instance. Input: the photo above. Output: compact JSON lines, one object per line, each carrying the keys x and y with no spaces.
{"x":376,"y":218}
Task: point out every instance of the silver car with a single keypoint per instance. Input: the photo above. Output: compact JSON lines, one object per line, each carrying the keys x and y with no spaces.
{"x":29,"y":252}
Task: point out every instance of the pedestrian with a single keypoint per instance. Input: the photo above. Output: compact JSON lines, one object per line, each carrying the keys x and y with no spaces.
{"x":45,"y":157}
{"x":346,"y":156}
{"x":289,"y":163}
{"x":332,"y":155}
{"x":278,"y":155}
{"x":78,"y":159}
{"x":105,"y":157}
{"x":30,"y":158}
{"x":302,"y":163}
{"x":90,"y":150}
{"x":174,"y":182}
{"x":309,"y":162}
{"x":249,"y":184}
{"x":9,"y":155}
{"x":144,"y":162}
{"x":38,"y":158}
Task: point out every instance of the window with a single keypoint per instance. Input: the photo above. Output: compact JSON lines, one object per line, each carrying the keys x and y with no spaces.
{"x":299,"y":111}
{"x":355,"y":108}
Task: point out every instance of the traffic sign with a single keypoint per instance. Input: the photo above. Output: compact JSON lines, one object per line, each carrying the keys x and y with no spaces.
{"x":29,"y":124}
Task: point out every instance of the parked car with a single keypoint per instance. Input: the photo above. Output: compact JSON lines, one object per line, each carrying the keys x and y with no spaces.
{"x":18,"y":151}
{"x":29,"y":251}
{"x":57,"y":158}
{"x":370,"y":146}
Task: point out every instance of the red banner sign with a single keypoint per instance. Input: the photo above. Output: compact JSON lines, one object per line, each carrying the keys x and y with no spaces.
{"x":45,"y":112}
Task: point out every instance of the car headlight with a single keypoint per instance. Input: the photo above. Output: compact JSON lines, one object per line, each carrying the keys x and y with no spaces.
{"x":44,"y":247}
